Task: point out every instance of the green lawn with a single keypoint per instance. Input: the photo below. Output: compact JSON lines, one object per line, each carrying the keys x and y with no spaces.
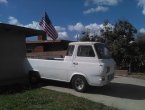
{"x":42,"y":99}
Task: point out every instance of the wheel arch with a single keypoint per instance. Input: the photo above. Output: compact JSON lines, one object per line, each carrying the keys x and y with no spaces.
{"x":77,"y":74}
{"x":34,"y":74}
{"x":33,"y":71}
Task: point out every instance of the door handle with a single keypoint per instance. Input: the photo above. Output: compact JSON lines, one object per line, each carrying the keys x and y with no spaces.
{"x":75,"y":63}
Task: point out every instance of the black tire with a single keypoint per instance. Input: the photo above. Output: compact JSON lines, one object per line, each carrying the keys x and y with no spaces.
{"x":79,"y":83}
{"x":34,"y":77}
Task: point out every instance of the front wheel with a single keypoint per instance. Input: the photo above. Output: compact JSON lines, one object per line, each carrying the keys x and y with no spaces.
{"x":79,"y":83}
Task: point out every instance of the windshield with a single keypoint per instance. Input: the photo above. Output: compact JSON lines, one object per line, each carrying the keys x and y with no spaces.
{"x":102,"y":51}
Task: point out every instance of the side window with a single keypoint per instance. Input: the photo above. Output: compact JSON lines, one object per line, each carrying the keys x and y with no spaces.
{"x":85,"y":51}
{"x":70,"y":50}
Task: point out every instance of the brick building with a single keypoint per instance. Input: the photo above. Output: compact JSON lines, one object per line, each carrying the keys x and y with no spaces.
{"x":46,"y":48}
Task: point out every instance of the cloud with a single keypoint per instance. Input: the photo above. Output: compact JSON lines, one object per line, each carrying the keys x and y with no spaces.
{"x":103,"y":2}
{"x":93,"y":28}
{"x":100,"y":5}
{"x":59,"y":28}
{"x":141,"y":3}
{"x":13,"y":20}
{"x":62,"y":34}
{"x":78,"y":27}
{"x":97,"y":9}
{"x":3,"y":1}
{"x":142,"y":30}
{"x":33,"y":25}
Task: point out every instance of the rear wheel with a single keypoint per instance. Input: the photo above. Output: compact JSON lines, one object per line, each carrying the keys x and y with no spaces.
{"x":34,"y":77}
{"x":79,"y":83}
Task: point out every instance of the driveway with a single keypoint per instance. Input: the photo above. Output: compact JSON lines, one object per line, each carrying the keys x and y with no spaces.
{"x":123,"y":92}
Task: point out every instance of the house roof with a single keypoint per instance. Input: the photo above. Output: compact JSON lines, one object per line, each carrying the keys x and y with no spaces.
{"x":27,"y":32}
{"x":46,"y":41}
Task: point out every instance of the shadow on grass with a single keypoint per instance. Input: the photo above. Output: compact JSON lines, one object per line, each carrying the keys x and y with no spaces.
{"x":19,"y":88}
{"x":13,"y":89}
{"x":118,"y":90}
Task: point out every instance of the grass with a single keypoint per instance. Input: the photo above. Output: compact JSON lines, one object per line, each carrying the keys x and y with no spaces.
{"x":42,"y":99}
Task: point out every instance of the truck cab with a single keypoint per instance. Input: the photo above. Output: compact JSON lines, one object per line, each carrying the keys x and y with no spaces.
{"x":93,"y":61}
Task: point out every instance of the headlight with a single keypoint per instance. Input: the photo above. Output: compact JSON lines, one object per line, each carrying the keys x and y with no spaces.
{"x":102,"y":78}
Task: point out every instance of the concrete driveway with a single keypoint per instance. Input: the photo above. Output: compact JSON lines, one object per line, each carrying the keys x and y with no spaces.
{"x":123,"y":92}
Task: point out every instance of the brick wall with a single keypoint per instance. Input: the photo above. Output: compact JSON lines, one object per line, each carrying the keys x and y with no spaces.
{"x":45,"y":55}
{"x":121,"y":72}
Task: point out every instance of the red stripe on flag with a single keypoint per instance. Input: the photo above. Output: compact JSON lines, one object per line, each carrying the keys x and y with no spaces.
{"x":47,"y":26}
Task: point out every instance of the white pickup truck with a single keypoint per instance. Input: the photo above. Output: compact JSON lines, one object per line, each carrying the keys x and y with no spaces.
{"x":86,"y":63}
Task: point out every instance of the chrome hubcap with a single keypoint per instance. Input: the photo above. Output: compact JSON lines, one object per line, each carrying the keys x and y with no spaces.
{"x":79,"y":83}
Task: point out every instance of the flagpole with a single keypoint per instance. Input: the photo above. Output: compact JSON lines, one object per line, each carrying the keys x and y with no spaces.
{"x":77,"y":35}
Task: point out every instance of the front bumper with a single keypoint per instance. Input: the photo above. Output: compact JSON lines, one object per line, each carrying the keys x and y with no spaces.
{"x":101,"y":80}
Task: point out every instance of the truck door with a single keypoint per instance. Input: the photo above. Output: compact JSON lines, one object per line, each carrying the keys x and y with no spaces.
{"x":85,"y":61}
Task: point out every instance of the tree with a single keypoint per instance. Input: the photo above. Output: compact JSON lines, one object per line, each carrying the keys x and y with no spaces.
{"x":140,"y":40}
{"x":106,"y":34}
{"x":123,"y":35}
{"x":128,"y":52}
{"x":85,"y":36}
{"x":120,"y":41}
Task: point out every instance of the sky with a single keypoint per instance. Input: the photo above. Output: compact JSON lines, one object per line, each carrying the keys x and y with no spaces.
{"x":71,"y":17}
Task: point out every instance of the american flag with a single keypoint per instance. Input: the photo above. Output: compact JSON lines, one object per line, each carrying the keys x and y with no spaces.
{"x":47,"y":26}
